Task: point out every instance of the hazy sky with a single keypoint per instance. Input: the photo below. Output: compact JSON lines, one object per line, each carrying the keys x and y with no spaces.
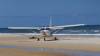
{"x":37,"y":12}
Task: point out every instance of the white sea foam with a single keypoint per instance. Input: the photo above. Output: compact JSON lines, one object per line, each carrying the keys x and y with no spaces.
{"x":39,"y":34}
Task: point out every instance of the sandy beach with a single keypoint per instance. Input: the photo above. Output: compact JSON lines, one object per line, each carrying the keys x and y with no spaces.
{"x":76,"y":44}
{"x":18,"y":52}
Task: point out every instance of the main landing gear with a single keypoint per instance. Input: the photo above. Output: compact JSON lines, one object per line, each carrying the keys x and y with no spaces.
{"x":47,"y":39}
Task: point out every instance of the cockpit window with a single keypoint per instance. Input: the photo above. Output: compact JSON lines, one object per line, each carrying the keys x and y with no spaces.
{"x":45,"y":29}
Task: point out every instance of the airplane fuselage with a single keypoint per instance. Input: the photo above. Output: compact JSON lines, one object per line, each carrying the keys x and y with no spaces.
{"x":45,"y":33}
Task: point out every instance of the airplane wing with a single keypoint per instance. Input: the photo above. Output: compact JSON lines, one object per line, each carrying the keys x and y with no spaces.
{"x":53,"y":27}
{"x":65,"y":26}
{"x":33,"y":29}
{"x":24,"y":28}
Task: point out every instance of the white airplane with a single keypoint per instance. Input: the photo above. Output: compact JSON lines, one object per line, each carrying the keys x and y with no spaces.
{"x":46,"y":31}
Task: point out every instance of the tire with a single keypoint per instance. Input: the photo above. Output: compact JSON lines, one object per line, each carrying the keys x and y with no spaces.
{"x":38,"y":39}
{"x":55,"y":38}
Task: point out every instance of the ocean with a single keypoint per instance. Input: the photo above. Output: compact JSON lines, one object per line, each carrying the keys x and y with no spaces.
{"x":86,"y":29}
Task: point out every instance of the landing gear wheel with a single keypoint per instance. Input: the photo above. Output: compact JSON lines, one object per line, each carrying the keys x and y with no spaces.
{"x":44,"y":39}
{"x":32,"y":37}
{"x":38,"y":39}
{"x":55,"y":38}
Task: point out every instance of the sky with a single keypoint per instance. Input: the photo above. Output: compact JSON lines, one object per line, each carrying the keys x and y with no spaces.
{"x":37,"y":12}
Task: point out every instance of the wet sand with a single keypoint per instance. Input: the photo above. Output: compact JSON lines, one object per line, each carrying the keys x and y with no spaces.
{"x":18,"y":52}
{"x":76,"y":44}
{"x":86,"y":44}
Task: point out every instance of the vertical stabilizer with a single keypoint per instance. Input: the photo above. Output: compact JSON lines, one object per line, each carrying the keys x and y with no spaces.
{"x":50,"y":23}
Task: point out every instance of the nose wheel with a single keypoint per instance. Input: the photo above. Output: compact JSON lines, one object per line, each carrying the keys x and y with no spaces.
{"x":44,"y":39}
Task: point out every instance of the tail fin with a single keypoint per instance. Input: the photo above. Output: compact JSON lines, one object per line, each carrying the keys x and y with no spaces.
{"x":50,"y":23}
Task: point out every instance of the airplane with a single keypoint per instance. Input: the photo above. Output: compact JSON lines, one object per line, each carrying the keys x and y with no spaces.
{"x":46,"y":32}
